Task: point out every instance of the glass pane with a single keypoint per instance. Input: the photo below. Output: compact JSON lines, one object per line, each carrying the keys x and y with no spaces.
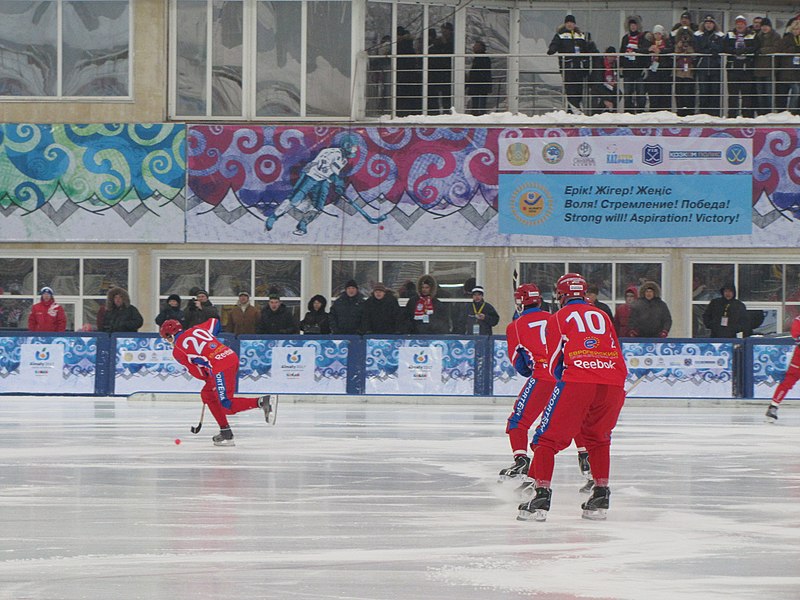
{"x":28,"y":53}
{"x":95,"y":42}
{"x":179,"y":276}
{"x":629,"y":274}
{"x":492,"y":27}
{"x":451,"y":275}
{"x":792,"y":283}
{"x":604,"y":25}
{"x":69,"y":312}
{"x":539,"y":77}
{"x":278,"y":59}
{"x":90,"y":308}
{"x":378,"y":44}
{"x":229,"y":277}
{"x":16,"y":276}
{"x":398,"y":274}
{"x":698,"y":328}
{"x":328,"y":64}
{"x":760,"y":283}
{"x":409,"y":42}
{"x":61,"y":274}
{"x":14,"y":312}
{"x":708,"y":279}
{"x":191,"y":58}
{"x":544,"y":275}
{"x":768,"y":318}
{"x":365,"y":272}
{"x":789,"y":314}
{"x":226,"y":58}
{"x":101,"y":274}
{"x":598,"y":274}
{"x":284,"y":275}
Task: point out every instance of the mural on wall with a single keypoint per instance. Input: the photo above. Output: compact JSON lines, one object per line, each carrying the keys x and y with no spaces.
{"x":101,"y":182}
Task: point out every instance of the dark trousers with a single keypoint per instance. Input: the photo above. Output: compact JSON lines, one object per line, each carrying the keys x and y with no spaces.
{"x":740,"y":93}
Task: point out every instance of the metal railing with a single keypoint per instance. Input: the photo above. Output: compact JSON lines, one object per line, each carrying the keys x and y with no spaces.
{"x":685,"y":84}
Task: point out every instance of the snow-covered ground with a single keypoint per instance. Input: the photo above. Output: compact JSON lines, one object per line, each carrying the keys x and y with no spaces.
{"x":379,"y":501}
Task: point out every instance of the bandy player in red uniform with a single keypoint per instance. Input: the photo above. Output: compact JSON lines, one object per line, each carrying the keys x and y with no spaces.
{"x":586,"y":359}
{"x":790,"y":378}
{"x":208,"y":359}
{"x":527,"y":350}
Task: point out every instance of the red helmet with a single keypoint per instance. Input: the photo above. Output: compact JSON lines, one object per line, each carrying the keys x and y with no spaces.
{"x":169,"y":328}
{"x":571,"y":285}
{"x":528,"y":295}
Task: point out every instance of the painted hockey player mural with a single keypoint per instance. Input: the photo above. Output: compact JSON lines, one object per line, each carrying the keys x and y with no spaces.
{"x":312,"y":191}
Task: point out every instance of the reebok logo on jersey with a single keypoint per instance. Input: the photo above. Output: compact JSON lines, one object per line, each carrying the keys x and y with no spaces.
{"x":223,"y":354}
{"x":595,"y":364}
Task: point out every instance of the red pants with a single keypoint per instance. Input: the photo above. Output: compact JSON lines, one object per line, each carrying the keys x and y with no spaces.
{"x":588,"y":410}
{"x":223,"y":386}
{"x":789,"y":379}
{"x":529,"y":405}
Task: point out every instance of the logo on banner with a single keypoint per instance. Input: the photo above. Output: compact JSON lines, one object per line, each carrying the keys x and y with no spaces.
{"x":294,"y":358}
{"x":552,"y":153}
{"x":652,"y":154}
{"x":518,"y":154}
{"x":736,"y":154}
{"x":584,"y":158}
{"x":531,"y":204}
{"x":616,"y":158}
{"x":421,"y":358}
{"x":42,"y":354}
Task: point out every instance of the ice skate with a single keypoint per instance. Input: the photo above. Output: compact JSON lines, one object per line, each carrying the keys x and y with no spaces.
{"x":269,"y":404}
{"x":587,"y":487}
{"x":519,"y":469}
{"x":583,"y":464}
{"x":772,"y":413}
{"x":596,"y":507}
{"x":536,"y":508}
{"x":224,"y":438}
{"x":525,"y":491}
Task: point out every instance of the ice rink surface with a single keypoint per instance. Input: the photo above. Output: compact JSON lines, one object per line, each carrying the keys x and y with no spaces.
{"x":375,"y":501}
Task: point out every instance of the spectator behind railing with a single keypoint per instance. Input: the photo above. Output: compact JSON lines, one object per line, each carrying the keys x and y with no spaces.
{"x":790,"y":67}
{"x":409,"y":76}
{"x":570,"y":43}
{"x":768,"y":42}
{"x":604,"y":81}
{"x":740,"y":44}
{"x":684,"y":25}
{"x":440,"y":72}
{"x":632,"y":65}
{"x":685,"y":88}
{"x":709,"y":41}
{"x":479,"y":79}
{"x":658,"y":82}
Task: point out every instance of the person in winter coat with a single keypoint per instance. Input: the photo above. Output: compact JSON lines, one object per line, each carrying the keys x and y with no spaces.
{"x":658,"y":82}
{"x":592,"y":292}
{"x":623,"y":315}
{"x":382,"y":313}
{"x":479,"y":79}
{"x":476,"y":318}
{"x":276,"y":318}
{"x":171,"y":311}
{"x":633,"y":64}
{"x":683,"y":27}
{"x":346,"y":311}
{"x":425,"y":313}
{"x":316,"y":321}
{"x":46,"y":315}
{"x":685,"y":87}
{"x":709,"y":41}
{"x":650,"y":316}
{"x":121,"y":315}
{"x":573,"y":47}
{"x":244,"y":317}
{"x":740,"y":44}
{"x":768,"y":42}
{"x":199,"y":309}
{"x":790,"y":69}
{"x":727,"y":316}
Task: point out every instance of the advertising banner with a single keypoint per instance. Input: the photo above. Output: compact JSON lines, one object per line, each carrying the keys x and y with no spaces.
{"x":770,"y":362}
{"x":48,"y":364}
{"x":622,"y":207}
{"x":298,"y":365}
{"x":145,"y":364}
{"x":420,"y":366}
{"x":505,"y":379}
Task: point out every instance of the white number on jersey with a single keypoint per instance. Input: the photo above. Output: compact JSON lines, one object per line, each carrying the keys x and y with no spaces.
{"x":592,"y":320}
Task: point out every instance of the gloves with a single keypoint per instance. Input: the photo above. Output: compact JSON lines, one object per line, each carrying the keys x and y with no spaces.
{"x":663,"y":334}
{"x":200,"y":361}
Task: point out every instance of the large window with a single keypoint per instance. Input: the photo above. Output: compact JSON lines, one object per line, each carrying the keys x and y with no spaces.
{"x":261,"y":58}
{"x":611,"y":278}
{"x":401,"y":275}
{"x":65,"y":48}
{"x":225,"y":279}
{"x":771,"y":292}
{"x":80,"y":285}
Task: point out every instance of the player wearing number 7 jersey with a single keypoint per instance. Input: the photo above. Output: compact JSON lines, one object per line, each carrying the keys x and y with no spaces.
{"x":586,"y":359}
{"x":208,"y":359}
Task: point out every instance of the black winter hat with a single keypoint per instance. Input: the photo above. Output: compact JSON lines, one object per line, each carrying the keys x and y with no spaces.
{"x":173,"y":297}
{"x":569,"y":19}
{"x":351,"y":283}
{"x":766,"y":21}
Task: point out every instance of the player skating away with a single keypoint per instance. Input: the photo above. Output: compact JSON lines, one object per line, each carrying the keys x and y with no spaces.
{"x":791,"y":376}
{"x":208,"y":359}
{"x":527,"y":349}
{"x":586,"y":359}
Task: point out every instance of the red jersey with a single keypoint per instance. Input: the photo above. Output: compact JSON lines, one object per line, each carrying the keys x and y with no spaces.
{"x":526,"y":335}
{"x":795,"y":330}
{"x":583,"y":346}
{"x":47,"y":316}
{"x":199,"y":350}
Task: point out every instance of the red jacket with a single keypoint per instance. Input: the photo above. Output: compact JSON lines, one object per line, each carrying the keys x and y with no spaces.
{"x":47,"y":316}
{"x":202,"y":353}
{"x":526,"y":336}
{"x":583,"y":346}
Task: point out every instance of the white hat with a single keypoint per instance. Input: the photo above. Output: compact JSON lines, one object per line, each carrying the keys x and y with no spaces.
{"x":46,"y":290}
{"x":658,"y":29}
{"x":477,"y":290}
{"x":740,"y":18}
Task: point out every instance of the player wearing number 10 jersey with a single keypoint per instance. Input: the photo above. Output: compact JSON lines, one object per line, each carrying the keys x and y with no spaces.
{"x":586,"y":359}
{"x":208,"y":359}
